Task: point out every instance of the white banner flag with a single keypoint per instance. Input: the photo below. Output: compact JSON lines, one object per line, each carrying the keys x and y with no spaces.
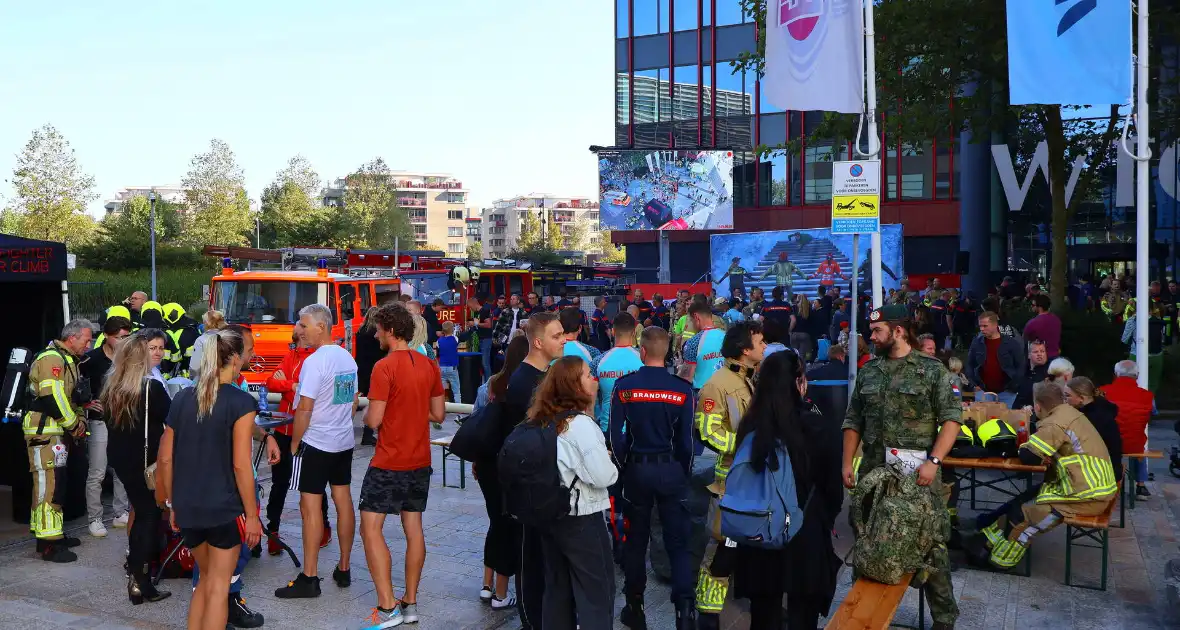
{"x":815,"y":55}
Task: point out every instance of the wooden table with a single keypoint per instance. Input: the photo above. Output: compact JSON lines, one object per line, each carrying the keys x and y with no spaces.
{"x":445,"y":443}
{"x":1012,"y":468}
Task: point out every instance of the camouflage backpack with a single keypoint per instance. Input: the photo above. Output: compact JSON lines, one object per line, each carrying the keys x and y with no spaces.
{"x":899,"y":527}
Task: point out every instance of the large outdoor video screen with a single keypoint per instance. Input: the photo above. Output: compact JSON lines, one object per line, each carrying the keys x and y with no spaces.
{"x":666,"y":190}
{"x":804,"y":259}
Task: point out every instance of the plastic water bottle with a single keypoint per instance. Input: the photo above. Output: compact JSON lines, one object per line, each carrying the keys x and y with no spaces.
{"x":263,"y":403}
{"x":1021,"y":434}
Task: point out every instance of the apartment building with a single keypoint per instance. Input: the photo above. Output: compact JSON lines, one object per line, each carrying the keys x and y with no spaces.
{"x":436,"y":204}
{"x":169,"y":193}
{"x":474,"y":228}
{"x":502,"y":222}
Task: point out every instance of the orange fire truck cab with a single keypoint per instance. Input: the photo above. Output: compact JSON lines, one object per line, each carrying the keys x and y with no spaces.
{"x":268,"y":302}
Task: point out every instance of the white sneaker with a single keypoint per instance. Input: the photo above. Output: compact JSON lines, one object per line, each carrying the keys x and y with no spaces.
{"x":97,"y":529}
{"x":120,"y":521}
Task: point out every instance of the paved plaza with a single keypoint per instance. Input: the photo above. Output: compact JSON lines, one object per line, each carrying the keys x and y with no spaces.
{"x":91,"y":592}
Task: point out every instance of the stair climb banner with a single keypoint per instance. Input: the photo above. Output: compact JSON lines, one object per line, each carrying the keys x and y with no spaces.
{"x":803,"y":260}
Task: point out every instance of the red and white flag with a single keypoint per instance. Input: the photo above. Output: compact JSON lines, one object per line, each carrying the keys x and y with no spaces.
{"x":815,"y":55}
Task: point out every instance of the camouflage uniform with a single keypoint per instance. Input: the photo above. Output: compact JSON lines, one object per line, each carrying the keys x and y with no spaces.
{"x":902,"y":403}
{"x":783,"y":270}
{"x":723,"y":400}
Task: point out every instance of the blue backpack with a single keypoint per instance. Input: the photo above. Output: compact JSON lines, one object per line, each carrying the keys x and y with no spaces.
{"x":760,"y":509}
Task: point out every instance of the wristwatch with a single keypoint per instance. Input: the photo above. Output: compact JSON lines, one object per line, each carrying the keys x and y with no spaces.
{"x":934,"y":460}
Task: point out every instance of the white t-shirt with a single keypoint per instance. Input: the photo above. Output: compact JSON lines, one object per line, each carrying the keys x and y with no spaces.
{"x":329,"y":377}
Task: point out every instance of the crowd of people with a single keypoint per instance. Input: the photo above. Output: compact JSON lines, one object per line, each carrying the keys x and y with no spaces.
{"x":630,"y":400}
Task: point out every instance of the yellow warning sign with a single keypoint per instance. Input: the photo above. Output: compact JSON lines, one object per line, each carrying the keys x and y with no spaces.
{"x":856,"y":207}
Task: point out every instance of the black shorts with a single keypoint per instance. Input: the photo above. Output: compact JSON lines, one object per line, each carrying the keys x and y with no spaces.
{"x":395,"y":491}
{"x":313,"y":469}
{"x":227,"y":536}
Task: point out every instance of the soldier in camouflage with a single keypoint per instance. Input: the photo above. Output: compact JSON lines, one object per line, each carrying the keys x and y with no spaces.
{"x":900,"y":400}
{"x":784,"y":272}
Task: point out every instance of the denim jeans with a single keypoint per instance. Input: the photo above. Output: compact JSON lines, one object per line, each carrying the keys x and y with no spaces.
{"x":96,"y":448}
{"x":450,"y":376}
{"x":1138,"y":469}
{"x":485,"y":347}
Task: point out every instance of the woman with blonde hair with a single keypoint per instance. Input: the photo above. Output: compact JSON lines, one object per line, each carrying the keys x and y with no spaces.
{"x":214,"y":320}
{"x":1082,"y":395}
{"x":579,"y":576}
{"x":206,"y":475}
{"x":134,"y":408}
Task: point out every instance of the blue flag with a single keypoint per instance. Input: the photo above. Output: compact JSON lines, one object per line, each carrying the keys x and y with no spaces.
{"x":1069,"y":52}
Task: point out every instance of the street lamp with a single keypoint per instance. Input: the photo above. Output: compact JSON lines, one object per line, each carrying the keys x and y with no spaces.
{"x":152,"y":227}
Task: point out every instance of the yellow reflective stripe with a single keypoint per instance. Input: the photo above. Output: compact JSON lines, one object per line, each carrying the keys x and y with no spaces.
{"x":68,"y":417}
{"x":1040,"y":445}
{"x":1007,"y":554}
{"x":714,"y":433}
{"x":992,"y":533}
{"x":710,"y":593}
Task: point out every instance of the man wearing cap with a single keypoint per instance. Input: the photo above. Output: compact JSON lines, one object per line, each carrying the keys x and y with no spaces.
{"x":737,"y":276}
{"x":899,"y":402}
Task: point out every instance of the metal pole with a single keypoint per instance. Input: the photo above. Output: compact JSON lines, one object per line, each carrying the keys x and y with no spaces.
{"x":152,"y":227}
{"x":853,"y":350}
{"x":258,"y":232}
{"x":1142,"y":181}
{"x":665,"y":273}
{"x":874,"y":144}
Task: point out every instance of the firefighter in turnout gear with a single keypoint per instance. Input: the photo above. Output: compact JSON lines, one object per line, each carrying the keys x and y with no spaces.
{"x":904,"y":409}
{"x":1080,"y":481}
{"x":115,"y":311}
{"x":1114,"y":303}
{"x":723,"y":402}
{"x":182,"y":332}
{"x":57,"y":396}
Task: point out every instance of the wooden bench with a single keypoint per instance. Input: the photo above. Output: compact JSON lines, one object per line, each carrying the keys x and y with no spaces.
{"x":870,"y":605}
{"x":445,"y":443}
{"x":1094,"y":529}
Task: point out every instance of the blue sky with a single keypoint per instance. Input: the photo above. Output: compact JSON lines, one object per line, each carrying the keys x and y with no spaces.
{"x":507,"y":96}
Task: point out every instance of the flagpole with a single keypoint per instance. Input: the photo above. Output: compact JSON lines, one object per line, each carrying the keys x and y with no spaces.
{"x":1142,"y":181}
{"x":874,"y":144}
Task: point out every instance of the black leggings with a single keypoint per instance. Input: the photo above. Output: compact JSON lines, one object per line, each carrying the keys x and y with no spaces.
{"x":144,"y":537}
{"x":280,"y":482}
{"x":501,"y":546}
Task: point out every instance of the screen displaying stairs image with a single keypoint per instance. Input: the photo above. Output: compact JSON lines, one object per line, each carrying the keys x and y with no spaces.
{"x":807,"y":259}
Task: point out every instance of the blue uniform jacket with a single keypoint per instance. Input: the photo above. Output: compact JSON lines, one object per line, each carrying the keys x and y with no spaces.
{"x":657,"y":410}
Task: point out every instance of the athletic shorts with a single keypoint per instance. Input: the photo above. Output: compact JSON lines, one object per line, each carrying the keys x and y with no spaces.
{"x":395,"y":491}
{"x":227,"y":536}
{"x":313,"y":469}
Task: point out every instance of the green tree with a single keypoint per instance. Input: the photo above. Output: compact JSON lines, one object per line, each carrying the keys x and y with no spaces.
{"x":554,"y":239}
{"x":289,"y":217}
{"x":613,"y":253}
{"x":371,"y":216}
{"x":52,"y":191}
{"x":300,"y":172}
{"x":529,"y":237}
{"x":123,"y":238}
{"x":579,"y":237}
{"x":219,"y":210}
{"x":930,"y":51}
{"x":475,"y":251}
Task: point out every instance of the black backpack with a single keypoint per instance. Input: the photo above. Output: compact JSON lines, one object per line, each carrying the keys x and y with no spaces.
{"x":533,"y":492}
{"x":479,"y":437}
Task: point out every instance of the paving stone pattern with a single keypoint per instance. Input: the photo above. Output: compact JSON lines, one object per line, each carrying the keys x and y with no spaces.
{"x":91,"y":592}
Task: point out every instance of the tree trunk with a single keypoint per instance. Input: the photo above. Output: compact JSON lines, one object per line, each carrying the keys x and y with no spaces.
{"x":1059,"y":267}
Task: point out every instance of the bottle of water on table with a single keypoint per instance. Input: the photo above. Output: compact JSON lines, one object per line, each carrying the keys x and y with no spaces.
{"x":263,"y":403}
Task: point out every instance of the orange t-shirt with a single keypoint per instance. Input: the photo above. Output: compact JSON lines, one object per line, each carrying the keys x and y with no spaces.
{"x":406,"y":381}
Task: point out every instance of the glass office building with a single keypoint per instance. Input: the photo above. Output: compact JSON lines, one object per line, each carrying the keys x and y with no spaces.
{"x":675,"y":87}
